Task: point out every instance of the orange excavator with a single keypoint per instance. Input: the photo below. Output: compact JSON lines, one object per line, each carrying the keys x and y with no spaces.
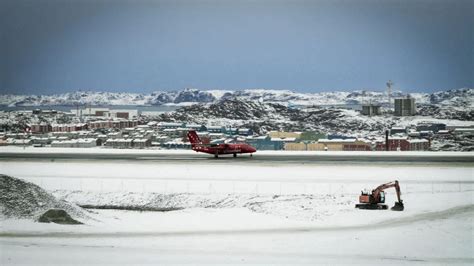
{"x":375,"y":200}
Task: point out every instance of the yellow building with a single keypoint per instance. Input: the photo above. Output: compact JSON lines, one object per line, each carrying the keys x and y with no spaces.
{"x":315,"y":147}
{"x":295,"y":146}
{"x":325,"y":146}
{"x":330,"y":145}
{"x":282,"y":134}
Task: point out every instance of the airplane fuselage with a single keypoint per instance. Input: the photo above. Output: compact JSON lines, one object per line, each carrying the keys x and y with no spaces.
{"x":219,"y":149}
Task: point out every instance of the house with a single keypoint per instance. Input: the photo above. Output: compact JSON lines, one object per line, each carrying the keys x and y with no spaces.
{"x":114,"y":135}
{"x":176,"y":145}
{"x":245,"y":132}
{"x":68,"y":127}
{"x":171,"y":132}
{"x":283,"y":134}
{"x":119,"y":143}
{"x":357,"y":145}
{"x":264,"y":143}
{"x":74,"y":143}
{"x":91,"y":112}
{"x":418,"y":144}
{"x":19,"y":142}
{"x":279,"y":143}
{"x":434,"y":127}
{"x":41,"y":140}
{"x":398,"y":130}
{"x":165,"y":125}
{"x":339,"y":145}
{"x":295,"y":146}
{"x":40,"y":128}
{"x":196,"y":127}
{"x":141,"y":143}
{"x":463,"y":131}
{"x":215,"y":129}
{"x":125,"y":114}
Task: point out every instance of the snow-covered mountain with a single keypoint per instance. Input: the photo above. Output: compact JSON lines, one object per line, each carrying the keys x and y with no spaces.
{"x":458,"y":97}
{"x":73,"y":98}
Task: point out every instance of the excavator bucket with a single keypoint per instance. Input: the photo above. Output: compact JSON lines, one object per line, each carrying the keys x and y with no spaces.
{"x":398,"y":206}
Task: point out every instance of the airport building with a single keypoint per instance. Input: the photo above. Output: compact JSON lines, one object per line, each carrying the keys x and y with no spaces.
{"x":331,"y":145}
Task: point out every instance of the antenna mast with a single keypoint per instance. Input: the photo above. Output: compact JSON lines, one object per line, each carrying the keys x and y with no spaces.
{"x":389,"y":93}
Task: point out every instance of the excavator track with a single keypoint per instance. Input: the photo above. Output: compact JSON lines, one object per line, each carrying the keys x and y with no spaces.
{"x":371,"y":206}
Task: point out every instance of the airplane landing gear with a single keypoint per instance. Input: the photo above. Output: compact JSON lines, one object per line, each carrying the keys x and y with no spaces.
{"x":216,"y":156}
{"x":235,"y":155}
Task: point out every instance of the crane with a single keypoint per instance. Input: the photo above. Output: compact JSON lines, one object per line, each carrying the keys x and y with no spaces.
{"x":375,"y":200}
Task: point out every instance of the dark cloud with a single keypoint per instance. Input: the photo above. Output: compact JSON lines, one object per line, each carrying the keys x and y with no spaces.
{"x":58,"y":45}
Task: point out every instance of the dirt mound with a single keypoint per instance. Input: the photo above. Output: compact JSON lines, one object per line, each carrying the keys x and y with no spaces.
{"x":21,"y":199}
{"x":57,"y":216}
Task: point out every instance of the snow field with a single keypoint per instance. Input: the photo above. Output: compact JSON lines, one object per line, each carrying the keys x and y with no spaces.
{"x":295,"y":192}
{"x":234,"y":216}
{"x":166,"y":178}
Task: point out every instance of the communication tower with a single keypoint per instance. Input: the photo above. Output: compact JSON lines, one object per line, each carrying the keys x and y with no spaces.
{"x":389,"y":93}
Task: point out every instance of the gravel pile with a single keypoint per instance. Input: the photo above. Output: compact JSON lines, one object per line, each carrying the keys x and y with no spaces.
{"x":21,"y":199}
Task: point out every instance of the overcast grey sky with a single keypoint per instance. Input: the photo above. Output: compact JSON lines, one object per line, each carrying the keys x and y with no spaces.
{"x":52,"y":46}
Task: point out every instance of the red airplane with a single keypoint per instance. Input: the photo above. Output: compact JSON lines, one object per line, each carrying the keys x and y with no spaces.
{"x":217,"y":149}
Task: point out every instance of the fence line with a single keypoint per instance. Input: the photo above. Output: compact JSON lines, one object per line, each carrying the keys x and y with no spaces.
{"x":234,"y":187}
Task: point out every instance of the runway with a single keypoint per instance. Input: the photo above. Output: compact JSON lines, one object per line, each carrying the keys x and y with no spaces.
{"x":188,"y":156}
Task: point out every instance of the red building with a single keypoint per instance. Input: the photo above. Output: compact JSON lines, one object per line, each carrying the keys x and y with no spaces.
{"x":112,"y":124}
{"x":68,"y":127}
{"x":404,"y":144}
{"x":40,"y":128}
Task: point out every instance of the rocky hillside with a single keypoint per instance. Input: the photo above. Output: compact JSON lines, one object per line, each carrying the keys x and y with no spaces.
{"x":452,"y":104}
{"x":262,"y":117}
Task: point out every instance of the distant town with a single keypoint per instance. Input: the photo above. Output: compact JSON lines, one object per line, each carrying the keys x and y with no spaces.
{"x":89,"y":127}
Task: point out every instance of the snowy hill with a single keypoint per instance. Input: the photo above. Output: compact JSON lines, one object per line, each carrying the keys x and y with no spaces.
{"x":261,"y":117}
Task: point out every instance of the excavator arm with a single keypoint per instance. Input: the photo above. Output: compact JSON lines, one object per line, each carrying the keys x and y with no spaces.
{"x":376,"y":192}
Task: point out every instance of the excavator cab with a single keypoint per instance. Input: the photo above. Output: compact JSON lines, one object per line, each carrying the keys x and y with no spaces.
{"x":382,"y":197}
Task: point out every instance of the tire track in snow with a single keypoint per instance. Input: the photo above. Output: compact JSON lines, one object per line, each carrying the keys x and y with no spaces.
{"x":429,"y":216}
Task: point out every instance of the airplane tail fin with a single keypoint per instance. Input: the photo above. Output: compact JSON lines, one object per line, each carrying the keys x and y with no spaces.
{"x":194,"y":138}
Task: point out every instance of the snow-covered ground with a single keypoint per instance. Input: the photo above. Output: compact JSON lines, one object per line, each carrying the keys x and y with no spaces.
{"x":198,"y":96}
{"x":237,"y":213}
